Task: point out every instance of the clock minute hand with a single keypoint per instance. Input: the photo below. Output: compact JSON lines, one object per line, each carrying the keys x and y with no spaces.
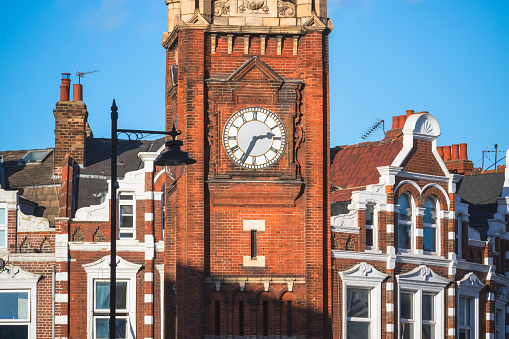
{"x":249,"y":149}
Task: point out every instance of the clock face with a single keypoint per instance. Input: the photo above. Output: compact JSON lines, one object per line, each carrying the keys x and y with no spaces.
{"x":254,"y":138}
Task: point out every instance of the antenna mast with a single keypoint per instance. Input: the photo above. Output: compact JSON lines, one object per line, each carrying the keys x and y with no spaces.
{"x":82,"y":74}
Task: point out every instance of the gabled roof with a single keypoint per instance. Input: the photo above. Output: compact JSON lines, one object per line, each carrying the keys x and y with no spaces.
{"x":354,"y":167}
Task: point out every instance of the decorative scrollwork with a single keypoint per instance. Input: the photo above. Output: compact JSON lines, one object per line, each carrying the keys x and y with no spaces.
{"x":254,"y":6}
{"x":286,"y":8}
{"x":298,"y":136}
{"x":365,"y":269}
{"x":424,"y":272}
{"x":221,"y":7}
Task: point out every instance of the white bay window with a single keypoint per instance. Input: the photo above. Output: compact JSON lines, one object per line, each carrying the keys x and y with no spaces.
{"x":468,"y":306}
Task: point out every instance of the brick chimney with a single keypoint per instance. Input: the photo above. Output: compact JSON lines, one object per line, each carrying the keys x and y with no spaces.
{"x":398,"y":122}
{"x":456,"y":159}
{"x":71,"y":126}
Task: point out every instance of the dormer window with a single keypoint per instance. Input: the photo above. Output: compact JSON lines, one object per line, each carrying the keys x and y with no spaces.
{"x":430,"y":225}
{"x":127,"y":216}
{"x":404,"y":222}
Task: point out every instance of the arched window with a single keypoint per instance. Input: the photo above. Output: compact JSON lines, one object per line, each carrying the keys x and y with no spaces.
{"x":404,"y":222}
{"x":430,"y":225}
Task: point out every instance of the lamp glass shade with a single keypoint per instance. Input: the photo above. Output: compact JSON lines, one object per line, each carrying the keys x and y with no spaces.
{"x":175,"y":171}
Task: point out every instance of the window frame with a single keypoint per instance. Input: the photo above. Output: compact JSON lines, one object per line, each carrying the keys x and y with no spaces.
{"x":410,"y":223}
{"x":435,"y":226}
{"x":423,"y":281}
{"x":469,"y":287}
{"x":100,"y":271}
{"x":130,"y":202}
{"x":373,"y":227}
{"x":15,"y":280}
{"x":364,"y":276}
{"x":4,"y":224}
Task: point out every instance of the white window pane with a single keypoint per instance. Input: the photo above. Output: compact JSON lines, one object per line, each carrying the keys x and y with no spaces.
{"x":102,"y":326}
{"x":102,"y":295}
{"x":429,"y":211}
{"x":126,"y":221}
{"x":404,"y":236}
{"x":3,"y":217}
{"x":3,"y":238}
{"x":428,"y":332}
{"x":126,"y":197}
{"x":129,"y":235}
{"x":358,"y":302}
{"x":407,"y":331}
{"x":126,"y":209}
{"x":14,"y":331}
{"x":357,"y":330}
{"x":404,"y":210}
{"x":369,"y":215}
{"x":14,"y":306}
{"x":464,"y":312}
{"x":369,"y":237}
{"x":464,"y":334}
{"x":427,"y":307}
{"x":429,"y":239}
{"x":406,"y":305}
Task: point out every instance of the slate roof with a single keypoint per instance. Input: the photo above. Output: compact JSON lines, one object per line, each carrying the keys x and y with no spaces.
{"x":35,"y":181}
{"x":481,"y":192}
{"x":354,"y":167}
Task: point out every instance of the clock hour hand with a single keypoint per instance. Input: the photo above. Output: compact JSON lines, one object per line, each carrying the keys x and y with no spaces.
{"x":249,"y":149}
{"x":268,"y":135}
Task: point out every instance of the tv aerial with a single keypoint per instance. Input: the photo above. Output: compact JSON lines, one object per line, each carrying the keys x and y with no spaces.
{"x":82,"y":74}
{"x":379,"y":123}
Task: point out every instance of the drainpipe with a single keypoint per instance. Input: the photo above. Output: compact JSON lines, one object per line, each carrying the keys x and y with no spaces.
{"x":53,"y":275}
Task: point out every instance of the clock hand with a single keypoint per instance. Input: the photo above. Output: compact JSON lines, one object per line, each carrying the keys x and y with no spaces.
{"x":249,"y":149}
{"x":268,"y":135}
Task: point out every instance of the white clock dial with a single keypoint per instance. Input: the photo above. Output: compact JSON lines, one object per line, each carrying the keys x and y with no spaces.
{"x":254,"y":138}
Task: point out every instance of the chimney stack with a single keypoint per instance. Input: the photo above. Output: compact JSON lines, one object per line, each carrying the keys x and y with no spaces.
{"x":65,"y":87}
{"x":71,"y":126}
{"x":457,"y":162}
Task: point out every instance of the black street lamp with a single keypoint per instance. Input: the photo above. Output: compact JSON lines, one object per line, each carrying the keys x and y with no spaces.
{"x":175,"y":161}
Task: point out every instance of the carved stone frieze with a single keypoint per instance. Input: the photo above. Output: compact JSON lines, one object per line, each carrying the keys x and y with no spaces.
{"x":221,"y":7}
{"x":286,"y":8}
{"x":253,"y":6}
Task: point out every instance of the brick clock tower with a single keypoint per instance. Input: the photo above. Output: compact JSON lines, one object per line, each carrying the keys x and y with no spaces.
{"x":247,"y":250}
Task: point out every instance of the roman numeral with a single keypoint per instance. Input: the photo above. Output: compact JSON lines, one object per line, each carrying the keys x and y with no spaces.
{"x":233,"y":125}
{"x":255,"y":115}
{"x":235,"y":148}
{"x":232,"y":137}
{"x":266,"y":159}
{"x":273,"y":149}
{"x":276,"y":138}
{"x":243,"y":118}
{"x":254,"y":161}
{"x":272,"y":128}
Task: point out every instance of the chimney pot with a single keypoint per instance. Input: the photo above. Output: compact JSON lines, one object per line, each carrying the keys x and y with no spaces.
{"x":463,"y":152}
{"x":455,"y":152}
{"x":395,"y":122}
{"x":65,"y":87}
{"x":409,"y":112}
{"x":424,"y":112}
{"x":447,"y":153}
{"x":402,"y":119}
{"x":440,"y":150}
{"x":77,"y":92}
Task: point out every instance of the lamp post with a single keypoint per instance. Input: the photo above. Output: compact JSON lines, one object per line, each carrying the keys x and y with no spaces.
{"x":174,"y":160}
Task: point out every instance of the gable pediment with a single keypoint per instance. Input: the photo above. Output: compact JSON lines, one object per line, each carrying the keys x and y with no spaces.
{"x":198,"y":21}
{"x":254,"y":67}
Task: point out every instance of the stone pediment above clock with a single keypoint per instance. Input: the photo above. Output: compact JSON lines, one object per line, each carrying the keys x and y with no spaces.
{"x":198,"y":21}
{"x":253,"y":69}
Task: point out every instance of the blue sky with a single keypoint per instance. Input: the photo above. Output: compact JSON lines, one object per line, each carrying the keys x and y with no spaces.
{"x":448,"y":57}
